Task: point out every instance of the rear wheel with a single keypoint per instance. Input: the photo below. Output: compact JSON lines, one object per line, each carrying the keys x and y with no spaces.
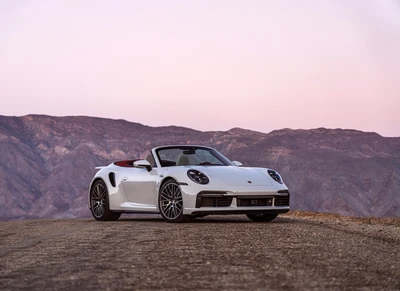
{"x":170,"y":202}
{"x":262,"y":217}
{"x":99,"y":203}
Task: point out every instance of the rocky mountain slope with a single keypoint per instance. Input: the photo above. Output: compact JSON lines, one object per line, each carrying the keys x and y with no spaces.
{"x":46,"y":163}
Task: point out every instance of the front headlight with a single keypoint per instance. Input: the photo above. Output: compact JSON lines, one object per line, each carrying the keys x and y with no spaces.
{"x":274,"y":175}
{"x":198,"y":177}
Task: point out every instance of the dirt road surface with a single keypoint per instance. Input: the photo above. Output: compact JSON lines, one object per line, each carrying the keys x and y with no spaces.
{"x":212,"y":253}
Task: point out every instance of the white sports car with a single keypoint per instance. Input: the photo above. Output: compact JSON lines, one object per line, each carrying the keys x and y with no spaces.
{"x":183,"y":182}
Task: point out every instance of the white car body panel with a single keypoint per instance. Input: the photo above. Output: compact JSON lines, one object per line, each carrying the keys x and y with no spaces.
{"x":137,"y":189}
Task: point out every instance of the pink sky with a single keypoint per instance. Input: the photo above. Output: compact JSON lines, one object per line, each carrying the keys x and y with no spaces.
{"x":208,"y":65}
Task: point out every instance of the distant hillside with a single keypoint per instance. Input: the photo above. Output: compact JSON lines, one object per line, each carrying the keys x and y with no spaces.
{"x":47,"y":163}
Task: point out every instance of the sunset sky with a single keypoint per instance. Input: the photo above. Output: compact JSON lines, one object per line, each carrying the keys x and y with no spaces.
{"x":209,"y":65}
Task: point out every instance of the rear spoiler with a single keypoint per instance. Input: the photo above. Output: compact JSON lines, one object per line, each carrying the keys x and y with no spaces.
{"x":101,"y":167}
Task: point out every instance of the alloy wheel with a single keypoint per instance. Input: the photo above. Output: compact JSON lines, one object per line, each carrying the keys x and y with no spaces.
{"x":171,"y":202}
{"x":98,"y":200}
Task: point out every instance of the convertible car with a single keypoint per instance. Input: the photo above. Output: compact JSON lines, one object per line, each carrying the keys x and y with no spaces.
{"x":183,"y":182}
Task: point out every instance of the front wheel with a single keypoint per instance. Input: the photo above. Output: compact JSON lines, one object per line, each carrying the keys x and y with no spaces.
{"x":262,"y":217}
{"x":170,"y":202}
{"x":99,"y":203}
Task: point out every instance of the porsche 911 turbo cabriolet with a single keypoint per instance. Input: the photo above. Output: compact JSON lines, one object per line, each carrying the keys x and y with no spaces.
{"x":182,"y":182}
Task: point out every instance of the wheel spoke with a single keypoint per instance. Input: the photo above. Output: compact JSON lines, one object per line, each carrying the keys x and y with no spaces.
{"x":97,"y":191}
{"x":166,"y":191}
{"x":174,"y":212}
{"x":103,"y":194}
{"x":167,"y":206}
{"x":177,"y":193}
{"x":96,"y":209}
{"x":99,"y":209}
{"x":168,"y":211}
{"x":178,"y":206}
{"x":170,"y":191}
{"x":164,"y":196}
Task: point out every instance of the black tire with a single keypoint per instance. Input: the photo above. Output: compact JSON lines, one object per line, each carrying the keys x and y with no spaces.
{"x":170,"y":202}
{"x":262,"y":217}
{"x":99,"y":203}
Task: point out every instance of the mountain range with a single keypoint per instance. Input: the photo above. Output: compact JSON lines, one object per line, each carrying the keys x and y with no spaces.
{"x":46,"y":163}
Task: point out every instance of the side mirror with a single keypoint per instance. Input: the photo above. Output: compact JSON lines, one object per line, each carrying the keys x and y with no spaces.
{"x":237,"y":164}
{"x":142,"y":164}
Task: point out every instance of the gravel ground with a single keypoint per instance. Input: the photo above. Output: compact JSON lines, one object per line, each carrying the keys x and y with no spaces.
{"x":296,"y":251}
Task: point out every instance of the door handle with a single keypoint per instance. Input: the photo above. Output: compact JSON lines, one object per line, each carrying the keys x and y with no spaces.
{"x":124,"y":179}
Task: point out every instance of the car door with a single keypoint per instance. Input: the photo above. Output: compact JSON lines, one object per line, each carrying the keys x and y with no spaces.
{"x":139,"y":186}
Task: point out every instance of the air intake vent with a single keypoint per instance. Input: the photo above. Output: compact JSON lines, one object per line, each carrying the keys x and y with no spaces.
{"x":216,"y":201}
{"x":282,"y":201}
{"x":111,"y":176}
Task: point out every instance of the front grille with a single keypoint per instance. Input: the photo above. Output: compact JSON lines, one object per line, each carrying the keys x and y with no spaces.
{"x":282,"y":201}
{"x":216,"y":201}
{"x":246,"y":202}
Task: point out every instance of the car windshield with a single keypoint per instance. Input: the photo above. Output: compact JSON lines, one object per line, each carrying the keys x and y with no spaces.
{"x":196,"y":156}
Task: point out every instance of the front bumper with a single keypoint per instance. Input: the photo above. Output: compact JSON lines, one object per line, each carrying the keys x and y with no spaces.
{"x":236,"y":201}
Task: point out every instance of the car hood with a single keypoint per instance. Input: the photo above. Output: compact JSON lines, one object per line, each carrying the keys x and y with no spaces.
{"x":236,"y":176}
